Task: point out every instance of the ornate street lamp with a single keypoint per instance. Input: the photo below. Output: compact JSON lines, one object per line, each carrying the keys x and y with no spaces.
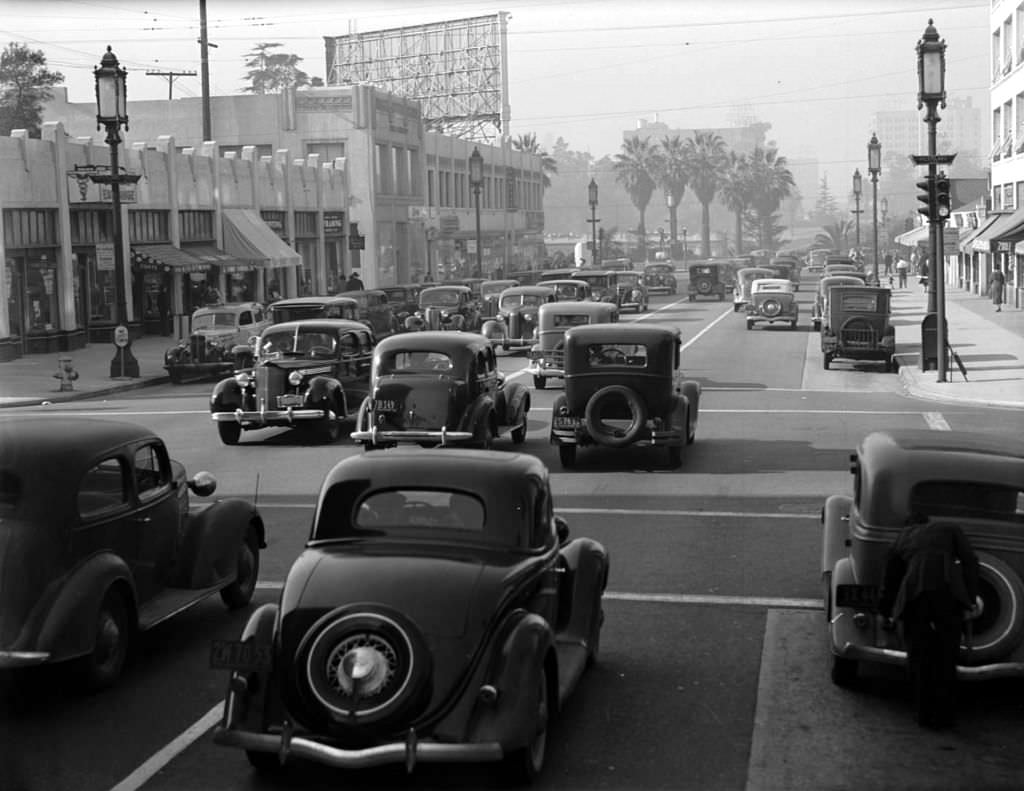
{"x":112,"y":114}
{"x":673,"y":238}
{"x":875,"y":168}
{"x":857,"y":187}
{"x":592,"y":199}
{"x":476,"y":180}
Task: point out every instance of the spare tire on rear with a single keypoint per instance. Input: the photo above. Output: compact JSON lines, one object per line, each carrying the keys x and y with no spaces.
{"x":618,"y":398}
{"x":1000,"y":627}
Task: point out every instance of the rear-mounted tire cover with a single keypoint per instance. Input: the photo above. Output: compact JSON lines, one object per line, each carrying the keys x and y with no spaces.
{"x":394,"y":636}
{"x":1000,"y":627}
{"x":595,"y":427}
{"x":704,"y":286}
{"x":771,"y":307}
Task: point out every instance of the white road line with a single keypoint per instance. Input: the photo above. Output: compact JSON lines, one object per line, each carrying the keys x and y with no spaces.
{"x":698,"y":598}
{"x":935,"y":421}
{"x":700,"y":334}
{"x":763,"y":411}
{"x":170,"y":751}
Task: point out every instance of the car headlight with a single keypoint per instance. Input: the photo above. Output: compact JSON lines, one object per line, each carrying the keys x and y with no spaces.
{"x":295,"y":378}
{"x":528,"y":317}
{"x":243,"y":379}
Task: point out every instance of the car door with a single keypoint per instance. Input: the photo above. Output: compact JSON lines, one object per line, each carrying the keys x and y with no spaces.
{"x":155,"y":517}
{"x":352,"y":371}
{"x":104,"y":502}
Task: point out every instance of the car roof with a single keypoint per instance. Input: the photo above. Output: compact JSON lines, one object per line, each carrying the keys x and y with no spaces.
{"x":772,"y":284}
{"x":428,"y":340}
{"x":563,"y":281}
{"x":537,"y":289}
{"x":579,"y":308}
{"x":328,"y":300}
{"x":231,"y":307}
{"x":448,"y":287}
{"x":622,"y":333}
{"x":755,"y":270}
{"x":840,"y":280}
{"x":357,"y":292}
{"x":581,"y":274}
{"x":855,"y":288}
{"x":317,"y":324}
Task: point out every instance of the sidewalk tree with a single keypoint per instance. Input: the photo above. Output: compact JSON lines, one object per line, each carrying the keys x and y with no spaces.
{"x":706,"y":162}
{"x":25,"y":86}
{"x":771,"y":181}
{"x":737,"y":192}
{"x":835,"y":236}
{"x":825,"y":206}
{"x":635,"y":167}
{"x":270,"y":71}
{"x":671,"y":177}
{"x":528,"y":145}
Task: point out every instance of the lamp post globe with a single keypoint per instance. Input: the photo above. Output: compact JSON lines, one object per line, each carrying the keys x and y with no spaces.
{"x":875,"y":168}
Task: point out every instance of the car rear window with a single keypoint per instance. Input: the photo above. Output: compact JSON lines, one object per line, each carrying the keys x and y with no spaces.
{"x":415,"y":362}
{"x":633,"y":355}
{"x":969,"y":499}
{"x":420,"y":509}
{"x":570,"y":319}
{"x":867,"y":303}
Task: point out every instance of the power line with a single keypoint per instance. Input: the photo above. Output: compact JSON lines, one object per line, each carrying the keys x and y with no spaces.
{"x":171,"y":76}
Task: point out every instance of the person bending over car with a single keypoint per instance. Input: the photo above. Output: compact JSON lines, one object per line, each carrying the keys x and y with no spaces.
{"x":929,"y":592}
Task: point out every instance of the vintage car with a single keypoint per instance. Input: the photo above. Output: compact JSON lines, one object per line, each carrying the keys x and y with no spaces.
{"x":816,"y":260}
{"x":376,"y":311}
{"x":98,"y":541}
{"x":660,"y":278}
{"x":974,"y":480}
{"x":707,"y":279}
{"x":623,"y":386}
{"x":404,"y":299}
{"x":857,"y":326}
{"x":525,"y":277}
{"x":446,"y":307}
{"x":440,"y":388}
{"x":772,"y":301}
{"x":218,"y":342}
{"x":617,"y":264}
{"x":633,"y":294}
{"x":297,"y":308}
{"x":840,"y":265}
{"x":558,"y":274}
{"x":569,"y":290}
{"x":787,"y":268}
{"x":515,"y":325}
{"x":821,"y":295}
{"x":744,"y":278}
{"x":490,"y":290}
{"x":439,"y":612}
{"x":547,"y":357}
{"x":311,"y":374}
{"x":474,"y":284}
{"x":603,"y":284}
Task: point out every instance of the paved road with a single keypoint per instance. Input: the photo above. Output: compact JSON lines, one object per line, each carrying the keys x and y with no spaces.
{"x":713,"y":673}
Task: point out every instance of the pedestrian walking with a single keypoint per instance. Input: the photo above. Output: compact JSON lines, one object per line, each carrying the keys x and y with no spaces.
{"x":923,"y":274}
{"x":996,"y":284}
{"x":354,"y":283}
{"x":887,"y":261}
{"x":902,"y":267}
{"x":930,"y":583}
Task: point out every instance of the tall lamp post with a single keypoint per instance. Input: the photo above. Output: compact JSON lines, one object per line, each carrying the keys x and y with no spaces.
{"x":685,"y":248}
{"x":931,"y":92}
{"x":857,"y":187}
{"x":875,"y":168}
{"x":476,"y":180}
{"x":592,"y":199}
{"x":112,"y":113}
{"x":673,"y":224}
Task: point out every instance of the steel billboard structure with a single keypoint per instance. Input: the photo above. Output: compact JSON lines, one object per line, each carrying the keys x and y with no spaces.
{"x":457,"y":69}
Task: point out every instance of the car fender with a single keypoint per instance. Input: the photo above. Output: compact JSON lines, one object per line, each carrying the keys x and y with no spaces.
{"x":477,"y":412}
{"x":841,"y":628}
{"x":227,"y":396}
{"x":835,"y":527}
{"x":248,"y":699}
{"x":493,"y":330}
{"x":324,"y":389}
{"x":691,"y":391}
{"x":579,"y":604}
{"x":517,"y":402}
{"x":211,"y":540}
{"x":68,"y":627}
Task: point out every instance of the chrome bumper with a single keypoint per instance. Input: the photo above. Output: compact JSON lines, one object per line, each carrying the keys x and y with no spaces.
{"x":377,"y":436}
{"x":893,"y":656}
{"x":289,"y":415}
{"x":10,"y":660}
{"x":539,"y":369}
{"x":410,"y":752}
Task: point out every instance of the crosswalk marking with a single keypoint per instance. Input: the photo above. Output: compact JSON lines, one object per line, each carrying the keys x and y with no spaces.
{"x":935,"y":421}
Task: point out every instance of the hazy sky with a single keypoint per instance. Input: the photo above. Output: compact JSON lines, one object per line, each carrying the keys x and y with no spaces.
{"x":815,"y":69}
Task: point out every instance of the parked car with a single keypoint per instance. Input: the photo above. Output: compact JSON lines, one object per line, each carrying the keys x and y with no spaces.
{"x":98,"y":541}
{"x":547,"y":357}
{"x":787,"y":268}
{"x":312,"y":374}
{"x":974,"y":480}
{"x":633,"y":293}
{"x":448,"y":307}
{"x":490,"y":290}
{"x":439,"y":612}
{"x":376,"y":311}
{"x":218,"y":342}
{"x":772,"y":301}
{"x":818,"y":309}
{"x":516,"y":322}
{"x":603,"y":284}
{"x":297,"y":308}
{"x":858,"y":327}
{"x":440,"y":388}
{"x":404,"y":300}
{"x":744,"y":278}
{"x":660,"y":278}
{"x":707,"y":279}
{"x":569,"y":290}
{"x":624,"y":386}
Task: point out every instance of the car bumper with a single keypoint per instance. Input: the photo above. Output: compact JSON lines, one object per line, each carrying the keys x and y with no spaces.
{"x":660,"y":289}
{"x":376,"y":436}
{"x":270,"y":416}
{"x":893,"y":656}
{"x":409,"y":752}
{"x":539,"y":369}
{"x":756,"y":318}
{"x":12,"y":660}
{"x":580,"y":436}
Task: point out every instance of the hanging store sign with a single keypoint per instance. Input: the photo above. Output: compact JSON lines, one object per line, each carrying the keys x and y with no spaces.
{"x":334,"y":223}
{"x":105,"y":256}
{"x":357,"y":243}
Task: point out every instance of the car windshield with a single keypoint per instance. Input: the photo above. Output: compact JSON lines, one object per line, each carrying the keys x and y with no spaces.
{"x":279,"y":314}
{"x":297,"y":343}
{"x":629,"y":279}
{"x":444,"y":298}
{"x":596,"y":281}
{"x":565,"y":320}
{"x":660,"y":268}
{"x":633,"y":355}
{"x":411,"y":511}
{"x":396,"y":294}
{"x":489,"y":290}
{"x":514,"y":300}
{"x":222,"y":320}
{"x":416,"y":362}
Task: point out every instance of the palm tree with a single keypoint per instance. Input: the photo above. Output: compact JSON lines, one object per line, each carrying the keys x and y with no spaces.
{"x":772,"y":181}
{"x":672,"y":178}
{"x":835,"y":236}
{"x":704,"y":164}
{"x":528,"y":144}
{"x":634,"y":167}
{"x":737,"y":191}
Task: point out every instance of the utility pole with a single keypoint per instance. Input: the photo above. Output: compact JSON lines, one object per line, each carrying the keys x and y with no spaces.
{"x":171,"y":76}
{"x":204,"y":55}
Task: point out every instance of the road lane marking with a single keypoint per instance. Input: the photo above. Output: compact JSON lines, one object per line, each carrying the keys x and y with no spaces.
{"x":624,"y":512}
{"x":935,"y":421}
{"x":764,"y":411}
{"x":144,"y":773}
{"x":700,"y":334}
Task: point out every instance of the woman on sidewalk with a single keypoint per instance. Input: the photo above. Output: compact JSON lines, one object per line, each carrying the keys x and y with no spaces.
{"x":996,"y":282}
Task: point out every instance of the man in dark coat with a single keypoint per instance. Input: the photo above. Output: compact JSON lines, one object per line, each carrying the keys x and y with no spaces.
{"x":354,"y":283}
{"x":931,"y":580}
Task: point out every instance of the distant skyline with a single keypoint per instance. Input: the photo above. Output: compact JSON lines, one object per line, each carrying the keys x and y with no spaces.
{"x":816,"y":70}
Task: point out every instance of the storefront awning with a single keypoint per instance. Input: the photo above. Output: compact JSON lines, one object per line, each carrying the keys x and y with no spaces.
{"x":227,"y":263}
{"x":153,"y":257}
{"x":967,"y":241}
{"x":249,"y":238}
{"x":912,"y":237}
{"x":1015,"y":232}
{"x":1002,"y":224}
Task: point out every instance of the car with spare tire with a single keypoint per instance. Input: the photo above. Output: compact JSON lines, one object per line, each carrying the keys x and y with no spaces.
{"x":772,"y":301}
{"x":624,"y":386}
{"x":857,"y":326}
{"x":547,"y":356}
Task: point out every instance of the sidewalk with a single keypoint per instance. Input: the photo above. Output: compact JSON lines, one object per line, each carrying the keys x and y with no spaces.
{"x":990,"y":344}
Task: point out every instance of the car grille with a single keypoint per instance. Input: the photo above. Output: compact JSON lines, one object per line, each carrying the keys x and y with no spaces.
{"x":197,"y":348}
{"x":858,"y":337}
{"x":271,"y":381}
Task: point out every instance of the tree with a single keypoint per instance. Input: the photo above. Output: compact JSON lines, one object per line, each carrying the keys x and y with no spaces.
{"x":835,"y":236}
{"x":737,"y":191}
{"x":25,"y":86}
{"x":528,"y":144}
{"x":771,"y":181}
{"x":634,"y":168}
{"x":671,"y":178}
{"x":272,"y":71}
{"x":825,"y":207}
{"x":705,"y":163}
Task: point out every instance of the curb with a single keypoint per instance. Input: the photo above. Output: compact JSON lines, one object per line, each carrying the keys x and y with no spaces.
{"x":909,"y":373}
{"x":80,"y":395}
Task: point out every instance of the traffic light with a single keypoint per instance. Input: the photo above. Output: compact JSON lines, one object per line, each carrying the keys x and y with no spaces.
{"x":927,"y":198}
{"x":942,"y":206}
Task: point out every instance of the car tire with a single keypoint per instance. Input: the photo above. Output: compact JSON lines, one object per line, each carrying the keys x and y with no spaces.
{"x":486,"y":441}
{"x":102,"y":666}
{"x":826,"y":359}
{"x":1000,"y":627}
{"x":240,"y":592}
{"x":596,"y":426}
{"x":750,"y":324}
{"x":792,"y":324}
{"x":174,"y":375}
{"x":526,"y":763}
{"x":328,"y":429}
{"x":567,"y":456}
{"x":540,"y":382}
{"x":692,"y":298}
{"x":229,"y":431}
{"x":519,"y":432}
{"x":843,"y":671}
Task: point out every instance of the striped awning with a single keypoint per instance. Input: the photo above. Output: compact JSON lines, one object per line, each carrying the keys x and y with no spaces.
{"x":154,"y":257}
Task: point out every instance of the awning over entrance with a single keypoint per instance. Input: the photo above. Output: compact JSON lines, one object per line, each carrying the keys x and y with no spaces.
{"x":967,"y":241}
{"x":1002,"y":224}
{"x":227,"y":263}
{"x":1014,"y":233}
{"x":912,"y":237}
{"x":247,"y":237}
{"x":153,"y":257}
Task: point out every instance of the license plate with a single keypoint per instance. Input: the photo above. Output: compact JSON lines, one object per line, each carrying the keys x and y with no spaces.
{"x":863,"y":597}
{"x":567,"y":422}
{"x":385,"y":405}
{"x":238,"y":655}
{"x":290,"y":399}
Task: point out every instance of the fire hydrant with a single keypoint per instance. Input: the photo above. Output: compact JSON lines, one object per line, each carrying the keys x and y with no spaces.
{"x":66,"y":373}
